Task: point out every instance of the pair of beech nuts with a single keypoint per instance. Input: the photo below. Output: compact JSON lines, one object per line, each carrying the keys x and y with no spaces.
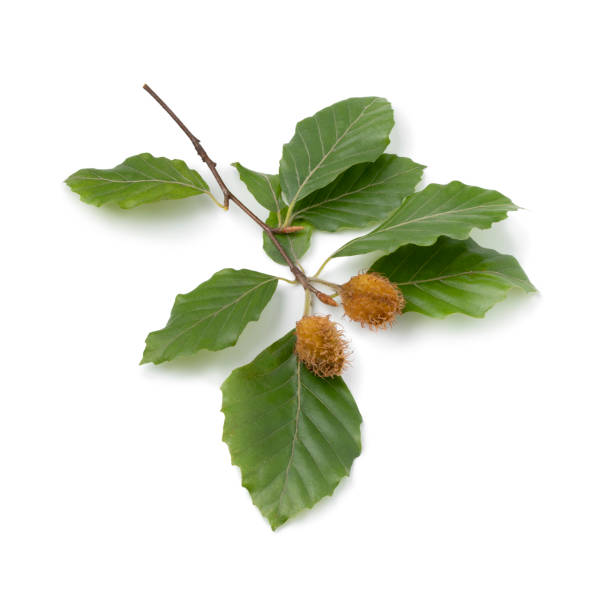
{"x":369,"y":299}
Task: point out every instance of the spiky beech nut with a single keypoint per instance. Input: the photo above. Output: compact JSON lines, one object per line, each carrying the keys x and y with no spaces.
{"x":372,"y":300}
{"x":320,"y":345}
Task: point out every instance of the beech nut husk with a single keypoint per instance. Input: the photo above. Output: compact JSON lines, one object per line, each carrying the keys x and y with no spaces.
{"x":320,"y":345}
{"x":372,"y":300}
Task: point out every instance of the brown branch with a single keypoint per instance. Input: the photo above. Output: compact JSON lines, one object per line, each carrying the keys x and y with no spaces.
{"x":229,"y":196}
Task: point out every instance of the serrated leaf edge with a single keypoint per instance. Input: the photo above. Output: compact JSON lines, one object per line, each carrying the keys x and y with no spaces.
{"x":274,"y":525}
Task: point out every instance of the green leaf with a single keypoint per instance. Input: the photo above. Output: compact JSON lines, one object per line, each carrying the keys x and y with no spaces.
{"x":452,"y":276}
{"x":140,"y":179}
{"x":439,"y":210}
{"x":363,"y":195}
{"x":265,"y":188}
{"x":334,"y":139}
{"x":212,"y":316}
{"x":293,"y":435}
{"x":295,"y":245}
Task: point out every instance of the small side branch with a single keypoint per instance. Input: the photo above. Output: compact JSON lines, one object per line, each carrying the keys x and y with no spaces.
{"x":292,"y":229}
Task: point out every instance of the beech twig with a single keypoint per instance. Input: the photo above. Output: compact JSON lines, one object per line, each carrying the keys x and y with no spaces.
{"x":228,"y":197}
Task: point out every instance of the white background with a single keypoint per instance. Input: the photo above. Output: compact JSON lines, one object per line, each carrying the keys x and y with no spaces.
{"x":485,"y":478}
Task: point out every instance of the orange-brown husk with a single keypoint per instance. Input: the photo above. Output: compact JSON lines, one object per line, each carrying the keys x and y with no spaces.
{"x":372,"y":299}
{"x":321,"y":346}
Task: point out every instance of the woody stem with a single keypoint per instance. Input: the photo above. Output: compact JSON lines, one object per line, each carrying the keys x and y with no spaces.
{"x":228,"y":196}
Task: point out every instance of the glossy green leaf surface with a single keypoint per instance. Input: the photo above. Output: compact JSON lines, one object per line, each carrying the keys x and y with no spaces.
{"x":361,"y":196}
{"x":265,"y":188}
{"x":295,"y":245}
{"x":334,"y":139}
{"x":212,"y":316}
{"x":140,"y":179}
{"x":293,"y":435}
{"x":439,"y":210}
{"x":452,"y":276}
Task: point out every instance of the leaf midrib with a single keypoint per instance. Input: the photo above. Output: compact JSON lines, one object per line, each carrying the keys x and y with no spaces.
{"x":107,"y":180}
{"x":440,"y":214}
{"x":215,"y":313}
{"x":276,"y":203}
{"x":333,"y":147}
{"x":377,"y":232}
{"x":295,"y":432}
{"x":456,"y":274}
{"x":348,"y":193}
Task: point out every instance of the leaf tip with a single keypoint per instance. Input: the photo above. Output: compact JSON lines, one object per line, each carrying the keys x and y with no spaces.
{"x":275,"y":521}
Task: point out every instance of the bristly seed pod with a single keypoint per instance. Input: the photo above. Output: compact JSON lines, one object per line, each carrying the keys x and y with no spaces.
{"x":320,"y":345}
{"x":372,"y":300}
